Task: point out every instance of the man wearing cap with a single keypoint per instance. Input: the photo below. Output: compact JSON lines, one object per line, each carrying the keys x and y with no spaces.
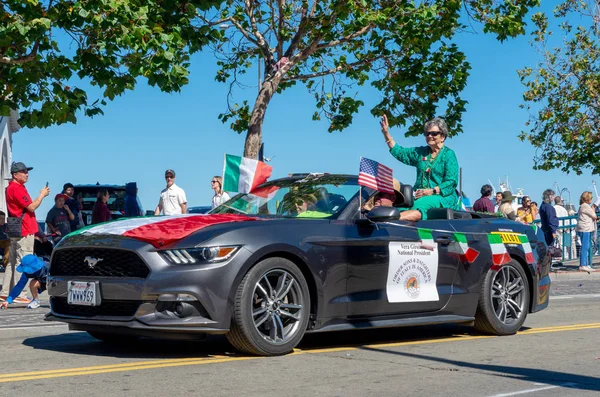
{"x":59,"y":218}
{"x":20,"y":205}
{"x":172,"y":198}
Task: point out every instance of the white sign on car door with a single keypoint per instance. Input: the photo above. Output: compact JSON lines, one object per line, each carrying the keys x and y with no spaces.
{"x":412,"y":273}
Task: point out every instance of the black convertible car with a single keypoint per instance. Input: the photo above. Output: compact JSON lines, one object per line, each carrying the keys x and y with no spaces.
{"x":299,"y":254}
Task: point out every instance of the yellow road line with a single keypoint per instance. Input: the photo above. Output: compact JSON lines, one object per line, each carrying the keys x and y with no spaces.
{"x":178,"y":362}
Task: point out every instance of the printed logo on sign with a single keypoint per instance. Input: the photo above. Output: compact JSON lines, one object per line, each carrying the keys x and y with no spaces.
{"x":412,"y":285}
{"x":91,"y":261}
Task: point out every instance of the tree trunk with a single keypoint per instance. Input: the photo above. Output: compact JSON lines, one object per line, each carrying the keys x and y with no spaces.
{"x":254,"y":135}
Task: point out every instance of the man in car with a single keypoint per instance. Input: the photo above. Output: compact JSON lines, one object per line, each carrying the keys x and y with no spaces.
{"x":20,"y":205}
{"x":172,"y":198}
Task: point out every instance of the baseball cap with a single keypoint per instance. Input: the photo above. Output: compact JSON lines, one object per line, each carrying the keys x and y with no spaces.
{"x":169,"y":172}
{"x":59,"y":195}
{"x":18,"y":167}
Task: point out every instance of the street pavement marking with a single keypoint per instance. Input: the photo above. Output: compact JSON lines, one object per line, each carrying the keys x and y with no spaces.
{"x":549,"y":387}
{"x":213,"y":359}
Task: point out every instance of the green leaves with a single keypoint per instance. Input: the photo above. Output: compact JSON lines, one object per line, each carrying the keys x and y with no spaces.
{"x":110,"y":44}
{"x":562,"y":90}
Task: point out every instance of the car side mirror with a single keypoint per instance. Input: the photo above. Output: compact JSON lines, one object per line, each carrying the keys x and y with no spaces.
{"x":382,"y":214}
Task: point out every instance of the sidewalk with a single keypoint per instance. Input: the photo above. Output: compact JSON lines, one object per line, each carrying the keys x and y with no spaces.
{"x":569,"y":270}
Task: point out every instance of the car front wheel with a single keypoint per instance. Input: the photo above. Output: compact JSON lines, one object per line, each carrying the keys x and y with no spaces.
{"x":503,"y":301}
{"x":271,"y":309}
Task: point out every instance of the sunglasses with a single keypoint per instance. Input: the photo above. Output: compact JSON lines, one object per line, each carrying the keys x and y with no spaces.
{"x":169,"y":177}
{"x":214,"y":181}
{"x":433,"y":133}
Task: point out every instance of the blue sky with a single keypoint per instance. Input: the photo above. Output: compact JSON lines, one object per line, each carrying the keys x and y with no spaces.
{"x":145,"y":132}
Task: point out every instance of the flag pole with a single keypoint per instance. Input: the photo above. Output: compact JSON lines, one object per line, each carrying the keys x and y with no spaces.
{"x":360,"y":197}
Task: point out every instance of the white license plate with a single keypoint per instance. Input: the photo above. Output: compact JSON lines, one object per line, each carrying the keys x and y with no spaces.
{"x":83,"y":293}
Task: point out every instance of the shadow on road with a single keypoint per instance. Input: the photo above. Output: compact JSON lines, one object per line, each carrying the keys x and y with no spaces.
{"x":563,"y":379}
{"x":83,"y":344}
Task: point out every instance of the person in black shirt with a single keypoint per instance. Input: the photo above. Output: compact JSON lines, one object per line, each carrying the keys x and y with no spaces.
{"x":59,"y":218}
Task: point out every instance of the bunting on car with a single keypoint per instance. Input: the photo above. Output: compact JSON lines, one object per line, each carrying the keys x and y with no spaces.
{"x":426,"y":236}
{"x":500,"y":255}
{"x":461,"y":248}
{"x":527,"y":248}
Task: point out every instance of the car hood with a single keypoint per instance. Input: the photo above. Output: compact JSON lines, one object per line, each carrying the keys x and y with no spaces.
{"x":160,"y":231}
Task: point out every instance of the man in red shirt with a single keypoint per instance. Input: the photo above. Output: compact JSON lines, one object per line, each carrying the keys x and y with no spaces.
{"x":20,"y":205}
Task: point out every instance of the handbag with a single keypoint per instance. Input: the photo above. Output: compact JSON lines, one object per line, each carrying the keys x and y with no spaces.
{"x":554,"y":250}
{"x":14,"y":226}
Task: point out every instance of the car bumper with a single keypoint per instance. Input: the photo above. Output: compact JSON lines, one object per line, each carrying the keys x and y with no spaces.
{"x":148,"y":306}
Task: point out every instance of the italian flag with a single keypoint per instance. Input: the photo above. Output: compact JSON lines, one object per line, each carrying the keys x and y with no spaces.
{"x":499,"y":254}
{"x":426,"y":236}
{"x":243,"y":175}
{"x":461,"y":248}
{"x":161,"y":231}
{"x":527,"y":248}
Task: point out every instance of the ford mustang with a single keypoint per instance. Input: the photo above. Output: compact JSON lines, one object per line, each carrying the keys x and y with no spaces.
{"x":299,"y":254}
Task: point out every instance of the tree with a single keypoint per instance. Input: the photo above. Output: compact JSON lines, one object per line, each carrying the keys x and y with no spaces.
{"x":402,"y":48}
{"x":48,"y":47}
{"x":562,"y":91}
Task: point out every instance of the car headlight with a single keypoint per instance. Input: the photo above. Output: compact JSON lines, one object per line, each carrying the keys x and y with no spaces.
{"x":188,"y":256}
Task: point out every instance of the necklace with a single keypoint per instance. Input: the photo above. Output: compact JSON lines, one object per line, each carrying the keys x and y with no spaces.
{"x":430,"y":160}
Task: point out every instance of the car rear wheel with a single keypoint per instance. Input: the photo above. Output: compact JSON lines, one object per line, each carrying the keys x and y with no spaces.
{"x":271,"y":309}
{"x":503,"y":301}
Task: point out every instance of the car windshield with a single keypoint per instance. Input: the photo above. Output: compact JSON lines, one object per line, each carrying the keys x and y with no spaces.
{"x":116,"y":201}
{"x":316,"y":197}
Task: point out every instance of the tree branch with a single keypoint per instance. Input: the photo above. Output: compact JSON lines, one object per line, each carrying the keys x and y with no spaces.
{"x":346,"y":39}
{"x":24,"y":59}
{"x":279,"y":32}
{"x":330,"y":71}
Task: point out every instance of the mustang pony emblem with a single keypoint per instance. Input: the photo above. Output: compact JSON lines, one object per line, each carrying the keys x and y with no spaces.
{"x":91,"y":261}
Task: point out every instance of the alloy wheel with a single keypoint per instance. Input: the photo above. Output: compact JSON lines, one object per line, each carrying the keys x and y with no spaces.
{"x":277,"y":306}
{"x":507,"y":295}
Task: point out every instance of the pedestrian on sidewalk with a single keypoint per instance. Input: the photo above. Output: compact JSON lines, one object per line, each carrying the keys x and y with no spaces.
{"x":4,"y":240}
{"x":100,"y":212}
{"x":586,"y":227}
{"x":220,"y":196}
{"x":548,"y":217}
{"x":172,"y":198}
{"x":32,"y":268}
{"x":20,"y":205}
{"x":59,"y":218}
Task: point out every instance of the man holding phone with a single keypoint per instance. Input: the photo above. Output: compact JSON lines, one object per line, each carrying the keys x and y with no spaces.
{"x":20,"y":205}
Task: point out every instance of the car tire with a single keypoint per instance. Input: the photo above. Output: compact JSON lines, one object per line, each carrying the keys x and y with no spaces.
{"x":503,"y":300}
{"x":113,"y":339}
{"x":271,"y":309}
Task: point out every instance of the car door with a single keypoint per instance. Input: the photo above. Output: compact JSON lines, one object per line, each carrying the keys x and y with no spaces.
{"x":388,"y":268}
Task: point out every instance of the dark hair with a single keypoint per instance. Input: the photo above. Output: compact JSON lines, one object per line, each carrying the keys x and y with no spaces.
{"x":486,"y":190}
{"x":101,"y":193}
{"x":546,"y":195}
{"x":2,"y":213}
{"x":68,"y":185}
{"x":533,"y":203}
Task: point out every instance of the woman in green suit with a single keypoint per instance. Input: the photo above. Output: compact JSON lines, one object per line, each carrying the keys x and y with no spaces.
{"x":437,"y":169}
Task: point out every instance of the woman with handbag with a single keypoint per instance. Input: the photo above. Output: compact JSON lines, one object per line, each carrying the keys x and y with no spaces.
{"x":586,"y":226}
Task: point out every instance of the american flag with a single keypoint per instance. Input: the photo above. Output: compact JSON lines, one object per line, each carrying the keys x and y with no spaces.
{"x":376,"y":176}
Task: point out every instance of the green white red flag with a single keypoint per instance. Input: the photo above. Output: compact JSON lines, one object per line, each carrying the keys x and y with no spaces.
{"x":426,"y":236}
{"x":527,"y":248}
{"x":243,"y":175}
{"x":500,"y":255}
{"x":461,"y":248}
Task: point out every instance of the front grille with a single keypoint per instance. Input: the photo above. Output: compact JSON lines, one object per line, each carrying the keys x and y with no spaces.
{"x":106,"y":263}
{"x":112,"y":308}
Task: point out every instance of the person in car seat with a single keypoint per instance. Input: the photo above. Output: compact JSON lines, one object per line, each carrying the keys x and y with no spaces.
{"x":437,"y":169}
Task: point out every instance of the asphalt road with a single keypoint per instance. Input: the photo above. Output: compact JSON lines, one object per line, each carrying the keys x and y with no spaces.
{"x":557,"y":353}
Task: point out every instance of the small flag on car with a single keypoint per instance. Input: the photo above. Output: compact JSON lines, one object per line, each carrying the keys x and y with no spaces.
{"x":243,"y":175}
{"x":376,"y":176}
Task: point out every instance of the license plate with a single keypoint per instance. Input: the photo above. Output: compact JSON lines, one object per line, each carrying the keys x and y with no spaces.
{"x":509,"y":238}
{"x":83,"y":293}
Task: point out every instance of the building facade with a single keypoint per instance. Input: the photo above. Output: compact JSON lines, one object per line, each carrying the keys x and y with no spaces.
{"x":8,"y":126}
